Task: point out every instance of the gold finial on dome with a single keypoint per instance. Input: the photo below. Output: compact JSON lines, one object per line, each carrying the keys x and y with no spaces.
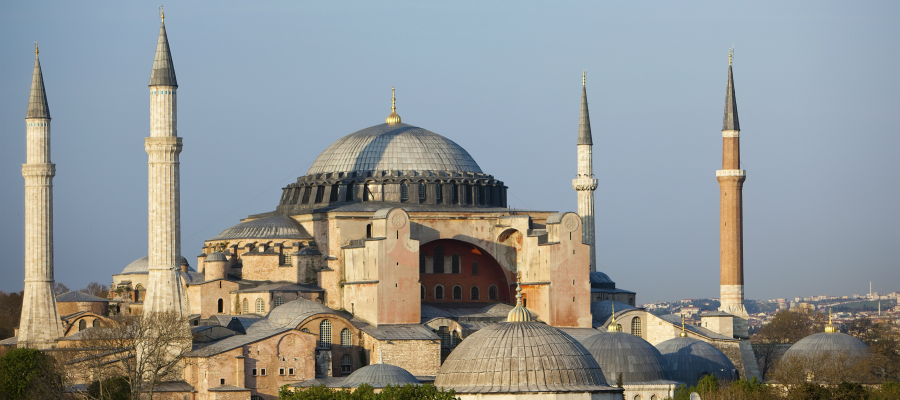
{"x":830,"y":327}
{"x":519,"y":313}
{"x":393,"y":119}
{"x":613,"y":326}
{"x":683,"y":333}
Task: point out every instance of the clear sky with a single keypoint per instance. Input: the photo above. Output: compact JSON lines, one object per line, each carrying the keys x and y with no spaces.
{"x":265,"y":87}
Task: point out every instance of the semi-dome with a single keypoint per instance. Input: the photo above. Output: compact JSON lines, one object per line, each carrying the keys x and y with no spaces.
{"x":286,"y":313}
{"x":216,"y":256}
{"x":690,"y":359}
{"x":271,"y":227}
{"x":828,"y":343}
{"x":514,"y":357}
{"x":388,"y":147}
{"x":379,"y":376}
{"x":142,"y":266}
{"x":623,"y":353}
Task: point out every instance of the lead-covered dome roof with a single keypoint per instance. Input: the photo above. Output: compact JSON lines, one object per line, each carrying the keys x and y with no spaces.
{"x":379,"y":376}
{"x":690,"y":359}
{"x":623,"y":353}
{"x":286,"y":313}
{"x":828,"y":343}
{"x":272,"y":227}
{"x":388,"y":147}
{"x":142,"y":266}
{"x":514,"y":357}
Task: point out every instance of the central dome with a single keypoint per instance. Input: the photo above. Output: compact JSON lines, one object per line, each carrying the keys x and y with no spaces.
{"x":398,"y":147}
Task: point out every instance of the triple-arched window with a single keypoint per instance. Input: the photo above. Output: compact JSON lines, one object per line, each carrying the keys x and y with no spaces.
{"x":457,"y":292}
{"x":260,"y":306}
{"x":345,"y":338}
{"x":475,"y":293}
{"x":325,"y":334}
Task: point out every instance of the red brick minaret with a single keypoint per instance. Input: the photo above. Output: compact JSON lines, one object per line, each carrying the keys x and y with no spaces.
{"x":731,"y":231}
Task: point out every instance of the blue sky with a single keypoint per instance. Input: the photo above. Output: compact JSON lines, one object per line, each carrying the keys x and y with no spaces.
{"x":265,"y":87}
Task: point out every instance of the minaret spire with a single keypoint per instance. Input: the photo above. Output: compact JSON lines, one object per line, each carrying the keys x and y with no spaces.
{"x":730,"y":121}
{"x":584,"y":183}
{"x":163,"y":73}
{"x":39,"y":325}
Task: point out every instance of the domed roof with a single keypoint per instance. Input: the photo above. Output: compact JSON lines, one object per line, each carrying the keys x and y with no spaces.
{"x":690,"y":359}
{"x":216,"y":256}
{"x":286,"y":313}
{"x":602,"y":310}
{"x":514,"y":357}
{"x":828,"y":343}
{"x":379,"y":376}
{"x":388,"y":147}
{"x":623,"y":353}
{"x":142,"y":266}
{"x":272,"y":227}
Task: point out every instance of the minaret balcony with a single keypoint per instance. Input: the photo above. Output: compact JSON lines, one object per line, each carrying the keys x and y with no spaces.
{"x":584,"y":184}
{"x":731,"y":172}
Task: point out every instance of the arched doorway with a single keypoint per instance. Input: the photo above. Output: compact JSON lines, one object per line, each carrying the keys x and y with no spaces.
{"x":447,"y":264}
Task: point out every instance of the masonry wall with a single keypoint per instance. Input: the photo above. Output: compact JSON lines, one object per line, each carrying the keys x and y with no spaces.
{"x":419,"y":357}
{"x":69,"y":307}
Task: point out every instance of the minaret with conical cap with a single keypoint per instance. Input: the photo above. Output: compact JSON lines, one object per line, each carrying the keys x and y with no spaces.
{"x":731,"y":181}
{"x":164,"y":292}
{"x":584,"y":183}
{"x":39,"y":325}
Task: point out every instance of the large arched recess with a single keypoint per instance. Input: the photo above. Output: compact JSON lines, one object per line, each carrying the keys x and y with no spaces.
{"x":489,"y":273}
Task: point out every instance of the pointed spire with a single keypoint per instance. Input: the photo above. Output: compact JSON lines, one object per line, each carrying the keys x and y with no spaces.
{"x":683,"y":333}
{"x":519,"y":313}
{"x":37,"y":104}
{"x":584,"y":127}
{"x":730,"y":122}
{"x":613,"y":326}
{"x":394,"y":118}
{"x":830,"y":328}
{"x":163,"y":73}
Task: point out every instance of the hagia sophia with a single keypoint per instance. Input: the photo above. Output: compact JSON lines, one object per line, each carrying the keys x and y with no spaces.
{"x":394,"y":260}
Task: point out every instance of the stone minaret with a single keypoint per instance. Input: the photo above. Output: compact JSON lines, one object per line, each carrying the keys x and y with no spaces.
{"x":39,"y":325}
{"x":731,"y":232}
{"x":585,"y":184}
{"x":164,"y":292}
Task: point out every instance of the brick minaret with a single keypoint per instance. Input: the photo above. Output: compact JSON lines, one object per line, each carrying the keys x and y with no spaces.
{"x":39,"y":325}
{"x":731,"y":231}
{"x":164,"y":292}
{"x":585,"y":184}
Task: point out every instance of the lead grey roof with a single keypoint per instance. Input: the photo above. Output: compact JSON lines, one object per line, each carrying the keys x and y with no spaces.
{"x":163,"y":73}
{"x":689,"y":359}
{"x":284,"y":314}
{"x":79,"y":297}
{"x":675,"y":319}
{"x":636,"y":359}
{"x":233,"y":342}
{"x":396,"y":332}
{"x":216,"y":256}
{"x":825,"y":343}
{"x":379,"y":376}
{"x":37,"y":103}
{"x":514,"y":357}
{"x":271,"y":227}
{"x":602,"y":310}
{"x":393,"y":147}
{"x":584,"y":125}
{"x":730,"y":121}
{"x":142,"y":266}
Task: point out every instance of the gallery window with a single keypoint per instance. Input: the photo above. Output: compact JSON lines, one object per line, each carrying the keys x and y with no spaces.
{"x":345,"y":338}
{"x":475,"y":293}
{"x":438,"y":292}
{"x":325,"y":334}
{"x":346,"y":364}
{"x":457,"y":292}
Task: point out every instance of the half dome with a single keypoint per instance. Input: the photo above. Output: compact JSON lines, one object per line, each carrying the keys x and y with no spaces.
{"x":389,"y":147}
{"x":623,"y":353}
{"x":142,"y":266}
{"x":272,"y":227}
{"x":690,"y":359}
{"x":828,"y":343}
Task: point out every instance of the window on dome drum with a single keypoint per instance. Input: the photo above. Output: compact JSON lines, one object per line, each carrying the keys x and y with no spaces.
{"x":455,"y":195}
{"x":260,"y":306}
{"x":325,"y":334}
{"x":454,"y":263}
{"x":481,"y":195}
{"x":279,"y":301}
{"x":438,"y":260}
{"x":306,"y":191}
{"x":346,"y":364}
{"x":404,"y":192}
{"x":345,"y":338}
{"x":95,"y":324}
{"x":476,"y":294}
{"x":422,"y":192}
{"x":333,"y":197}
{"x":474,"y":267}
{"x":246,"y":308}
{"x":368,"y":195}
{"x":438,"y":292}
{"x":82,"y":325}
{"x":636,"y":326}
{"x":350,"y":188}
{"x":439,"y":193}
{"x":492,"y":292}
{"x":423,"y":291}
{"x":221,"y":305}
{"x":320,"y":193}
{"x":457,"y":292}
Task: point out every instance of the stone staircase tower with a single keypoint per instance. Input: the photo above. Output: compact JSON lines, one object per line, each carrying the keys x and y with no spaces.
{"x":39,"y":325}
{"x":584,"y":183}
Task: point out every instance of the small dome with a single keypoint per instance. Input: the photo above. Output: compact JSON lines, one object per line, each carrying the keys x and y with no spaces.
{"x":514,"y":357}
{"x":142,"y":266}
{"x":828,"y":343}
{"x":379,"y":376}
{"x":216,"y":256}
{"x":286,"y":313}
{"x":272,"y":227}
{"x":690,"y":359}
{"x":635,"y":358}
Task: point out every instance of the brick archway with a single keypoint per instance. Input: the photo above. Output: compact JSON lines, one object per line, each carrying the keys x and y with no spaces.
{"x":476,"y":268}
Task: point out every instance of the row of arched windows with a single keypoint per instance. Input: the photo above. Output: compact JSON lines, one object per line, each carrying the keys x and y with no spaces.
{"x":467,"y":193}
{"x":82,"y":325}
{"x":438,"y":259}
{"x":260,"y":306}
{"x":457,"y":292}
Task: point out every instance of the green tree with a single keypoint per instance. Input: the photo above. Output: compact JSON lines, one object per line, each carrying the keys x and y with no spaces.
{"x":366,"y":392}
{"x":30,"y":374}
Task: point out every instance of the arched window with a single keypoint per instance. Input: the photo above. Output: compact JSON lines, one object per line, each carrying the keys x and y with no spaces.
{"x":96,"y":323}
{"x":469,"y":194}
{"x":475,"y":293}
{"x":404,"y":192}
{"x":325,"y":334}
{"x":345,"y":338}
{"x":619,"y":327}
{"x":636,"y":326}
{"x":637,"y":397}
{"x":474,"y":267}
{"x":454,"y":197}
{"x":82,"y":325}
{"x":439,"y":193}
{"x":350,"y":188}
{"x":260,"y":306}
{"x":438,"y":260}
{"x":320,"y":193}
{"x":454,"y":263}
{"x":221,"y":306}
{"x":654,"y":397}
{"x":346,"y":364}
{"x":139,"y":293}
{"x":306,"y":191}
{"x":369,"y":230}
{"x":438,"y":292}
{"x":457,"y":292}
{"x":423,"y":291}
{"x":492,"y":292}
{"x":481,"y":198}
{"x":279,"y":301}
{"x":444,"y":334}
{"x":367,"y":192}
{"x":246,"y":308}
{"x":423,"y":194}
